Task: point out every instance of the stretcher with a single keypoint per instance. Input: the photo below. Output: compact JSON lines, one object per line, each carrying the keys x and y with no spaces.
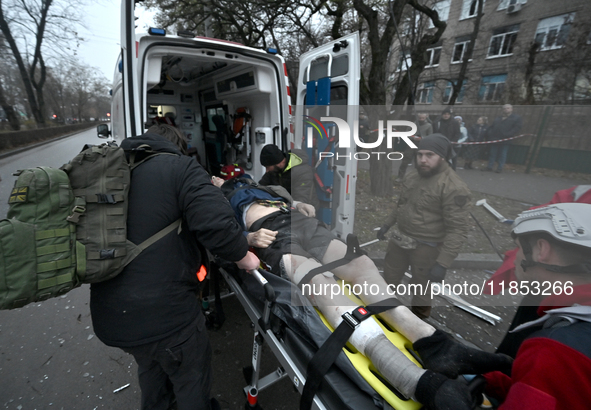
{"x":293,"y":333}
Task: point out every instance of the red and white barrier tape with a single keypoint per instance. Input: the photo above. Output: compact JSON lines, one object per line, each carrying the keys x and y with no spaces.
{"x":493,"y":142}
{"x":475,"y":143}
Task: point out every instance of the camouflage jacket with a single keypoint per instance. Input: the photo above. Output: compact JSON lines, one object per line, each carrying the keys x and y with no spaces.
{"x":434,"y":209}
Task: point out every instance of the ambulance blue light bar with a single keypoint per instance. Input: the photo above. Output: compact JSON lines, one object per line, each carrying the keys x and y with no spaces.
{"x":156,"y":31}
{"x":272,"y":51}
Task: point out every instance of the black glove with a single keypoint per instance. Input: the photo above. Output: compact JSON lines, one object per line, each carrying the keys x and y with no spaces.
{"x":443,"y":354}
{"x":437,"y":392}
{"x":382,"y":232}
{"x":437,"y":273}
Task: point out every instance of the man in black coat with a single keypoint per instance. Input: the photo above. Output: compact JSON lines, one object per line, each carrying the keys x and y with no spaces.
{"x":505,"y":126}
{"x":450,"y":128}
{"x":151,"y":309}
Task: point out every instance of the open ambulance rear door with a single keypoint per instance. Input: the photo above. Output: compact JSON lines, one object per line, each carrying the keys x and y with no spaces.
{"x":328,"y":87}
{"x":128,"y":68}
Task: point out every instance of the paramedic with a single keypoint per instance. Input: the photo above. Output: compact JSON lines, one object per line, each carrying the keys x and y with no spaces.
{"x":151,"y":309}
{"x":552,"y":367}
{"x":291,"y":171}
{"x":432,"y":220}
{"x":293,"y":244}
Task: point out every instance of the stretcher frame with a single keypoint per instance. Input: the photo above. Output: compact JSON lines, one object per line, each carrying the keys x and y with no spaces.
{"x":263,"y":333}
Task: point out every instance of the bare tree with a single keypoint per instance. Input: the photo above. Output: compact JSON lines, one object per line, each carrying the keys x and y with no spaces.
{"x":459,"y":82}
{"x":27,"y":25}
{"x":5,"y":100}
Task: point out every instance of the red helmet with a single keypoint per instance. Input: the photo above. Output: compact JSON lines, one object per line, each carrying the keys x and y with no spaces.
{"x":231,"y":171}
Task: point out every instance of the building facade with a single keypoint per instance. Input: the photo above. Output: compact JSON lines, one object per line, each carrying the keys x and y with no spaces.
{"x":526,"y":52}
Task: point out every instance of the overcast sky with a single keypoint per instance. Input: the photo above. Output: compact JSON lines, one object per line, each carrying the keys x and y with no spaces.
{"x":102,"y":31}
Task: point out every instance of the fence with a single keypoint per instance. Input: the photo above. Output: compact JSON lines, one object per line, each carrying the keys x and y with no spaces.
{"x":15,"y":139}
{"x":558,"y":136}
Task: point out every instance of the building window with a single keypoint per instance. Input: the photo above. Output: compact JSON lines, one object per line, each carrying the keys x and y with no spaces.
{"x":552,"y":32}
{"x":404,"y":63}
{"x":432,"y":56}
{"x":449,"y":90}
{"x":460,"y":51}
{"x":470,"y":8}
{"x":425,"y":93}
{"x":442,"y":9}
{"x":502,"y":40}
{"x":492,"y":87}
{"x":503,"y":4}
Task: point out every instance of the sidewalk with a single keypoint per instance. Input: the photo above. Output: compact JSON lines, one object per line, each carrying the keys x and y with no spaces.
{"x":530,"y":188}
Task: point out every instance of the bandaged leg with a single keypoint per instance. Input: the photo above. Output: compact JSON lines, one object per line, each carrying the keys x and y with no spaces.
{"x":439,"y":351}
{"x":363,"y":271}
{"x":368,"y":338}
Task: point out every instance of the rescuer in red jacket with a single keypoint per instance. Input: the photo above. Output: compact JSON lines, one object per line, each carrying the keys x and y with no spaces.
{"x":552,"y":368}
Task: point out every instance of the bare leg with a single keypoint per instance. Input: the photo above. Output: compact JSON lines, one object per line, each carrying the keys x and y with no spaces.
{"x":363,"y":271}
{"x":368,"y":338}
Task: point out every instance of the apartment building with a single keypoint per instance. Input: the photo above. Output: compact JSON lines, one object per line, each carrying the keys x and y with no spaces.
{"x":526,"y":51}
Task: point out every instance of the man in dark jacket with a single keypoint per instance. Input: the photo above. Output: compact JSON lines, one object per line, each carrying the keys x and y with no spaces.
{"x":151,"y":309}
{"x":449,"y":128}
{"x":290,"y":171}
{"x":503,"y":127}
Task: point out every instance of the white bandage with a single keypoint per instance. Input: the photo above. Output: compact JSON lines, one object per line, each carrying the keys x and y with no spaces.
{"x":303,"y":270}
{"x":366,"y":331}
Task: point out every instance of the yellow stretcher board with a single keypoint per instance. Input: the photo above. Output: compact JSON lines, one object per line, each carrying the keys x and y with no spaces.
{"x":367,"y":370}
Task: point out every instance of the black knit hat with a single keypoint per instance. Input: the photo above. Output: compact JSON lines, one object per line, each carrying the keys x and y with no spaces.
{"x":437,"y":143}
{"x":271,"y":155}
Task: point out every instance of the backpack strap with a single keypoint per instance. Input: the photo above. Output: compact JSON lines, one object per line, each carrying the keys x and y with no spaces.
{"x":161,"y":234}
{"x":151,"y":240}
{"x":144,"y":152}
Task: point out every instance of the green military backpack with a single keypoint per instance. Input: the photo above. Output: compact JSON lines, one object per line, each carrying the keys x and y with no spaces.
{"x":68,"y":226}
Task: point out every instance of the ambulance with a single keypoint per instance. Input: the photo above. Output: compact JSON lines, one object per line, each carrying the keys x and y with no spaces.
{"x":231,"y":100}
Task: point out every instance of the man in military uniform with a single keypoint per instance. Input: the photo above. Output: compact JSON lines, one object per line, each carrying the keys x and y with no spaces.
{"x":431,"y":217}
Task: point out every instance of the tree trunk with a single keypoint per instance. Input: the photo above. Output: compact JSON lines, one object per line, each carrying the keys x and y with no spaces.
{"x":9,"y":111}
{"x":529,"y":73}
{"x":459,"y":83}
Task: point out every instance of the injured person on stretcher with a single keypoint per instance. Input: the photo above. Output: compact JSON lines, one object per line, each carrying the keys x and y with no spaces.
{"x":293,"y":244}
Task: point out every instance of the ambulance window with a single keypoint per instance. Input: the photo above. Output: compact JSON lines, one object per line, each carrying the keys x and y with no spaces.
{"x":211,"y":112}
{"x":338,"y":95}
{"x":340,"y":67}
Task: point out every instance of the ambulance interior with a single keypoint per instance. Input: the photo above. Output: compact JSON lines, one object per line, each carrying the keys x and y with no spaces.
{"x":227,"y":104}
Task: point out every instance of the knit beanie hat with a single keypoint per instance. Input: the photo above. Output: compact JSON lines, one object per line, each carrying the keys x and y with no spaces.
{"x":437,"y":143}
{"x":271,"y":155}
